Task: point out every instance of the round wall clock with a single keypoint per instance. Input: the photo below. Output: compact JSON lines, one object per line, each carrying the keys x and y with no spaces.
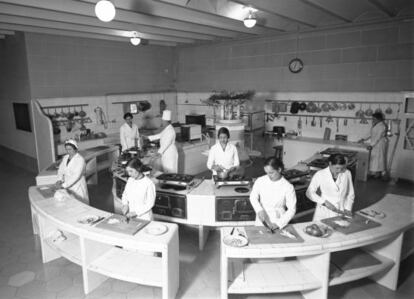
{"x":295,"y":65}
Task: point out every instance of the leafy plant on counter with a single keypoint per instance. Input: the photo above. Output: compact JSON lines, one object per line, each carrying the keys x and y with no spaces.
{"x":236,"y":98}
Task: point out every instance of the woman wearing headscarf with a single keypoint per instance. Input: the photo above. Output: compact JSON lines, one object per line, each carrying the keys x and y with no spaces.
{"x":128,"y":133}
{"x":378,"y":145}
{"x":336,"y":190}
{"x":71,"y":172}
{"x":138,"y":197}
{"x":167,"y":150}
{"x":223,"y":155}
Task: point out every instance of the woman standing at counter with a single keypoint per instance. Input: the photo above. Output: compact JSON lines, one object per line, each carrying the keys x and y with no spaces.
{"x":128,"y":133}
{"x":378,"y":146}
{"x":167,"y":150}
{"x":336,"y":189}
{"x":139,"y":193}
{"x":273,"y":197}
{"x":223,"y":155}
{"x":71,"y":172}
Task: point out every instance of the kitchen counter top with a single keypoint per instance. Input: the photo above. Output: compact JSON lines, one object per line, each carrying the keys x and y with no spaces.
{"x":334,"y":143}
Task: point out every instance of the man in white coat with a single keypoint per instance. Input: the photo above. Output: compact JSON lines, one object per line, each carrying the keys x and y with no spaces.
{"x":128,"y":134}
{"x":336,"y":196}
{"x":71,"y":172}
{"x":167,"y":150}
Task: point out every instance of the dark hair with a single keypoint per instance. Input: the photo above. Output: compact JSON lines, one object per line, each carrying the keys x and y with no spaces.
{"x":337,"y":159}
{"x":136,"y":164}
{"x":128,"y":114}
{"x":223,"y":130}
{"x":275,"y":163}
{"x":71,"y":145}
{"x":378,"y":115}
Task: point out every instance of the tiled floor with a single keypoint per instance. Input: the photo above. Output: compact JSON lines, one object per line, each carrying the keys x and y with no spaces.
{"x":22,"y":274}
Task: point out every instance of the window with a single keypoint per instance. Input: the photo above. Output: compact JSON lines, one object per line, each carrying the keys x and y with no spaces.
{"x":22,"y":116}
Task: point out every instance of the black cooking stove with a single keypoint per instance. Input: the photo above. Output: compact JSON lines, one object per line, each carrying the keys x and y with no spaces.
{"x":333,"y":150}
{"x":175,"y":179}
{"x":294,"y":174}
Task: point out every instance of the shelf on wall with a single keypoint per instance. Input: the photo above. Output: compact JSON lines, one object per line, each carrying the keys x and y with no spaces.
{"x":334,"y":101}
{"x":324,"y":116}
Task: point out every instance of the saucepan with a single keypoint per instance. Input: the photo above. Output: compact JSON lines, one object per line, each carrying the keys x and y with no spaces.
{"x":223,"y":174}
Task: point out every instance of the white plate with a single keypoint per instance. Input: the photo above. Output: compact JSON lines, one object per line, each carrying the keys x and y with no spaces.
{"x":88,"y":219}
{"x":156,"y":229}
{"x":235,"y":241}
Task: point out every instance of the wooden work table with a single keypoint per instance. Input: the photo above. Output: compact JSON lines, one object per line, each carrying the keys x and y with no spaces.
{"x":309,"y":263}
{"x":103,"y":253}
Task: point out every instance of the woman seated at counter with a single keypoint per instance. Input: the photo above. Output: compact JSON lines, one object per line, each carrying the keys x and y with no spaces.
{"x":71,"y":172}
{"x":336,"y":194}
{"x":273,"y":197}
{"x":139,"y":193}
{"x":223,"y":155}
{"x":167,"y":150}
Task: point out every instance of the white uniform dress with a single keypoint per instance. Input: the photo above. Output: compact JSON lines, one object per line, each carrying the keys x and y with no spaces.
{"x":226,"y":158}
{"x":340,"y":193}
{"x":139,"y":195}
{"x":128,"y":135}
{"x":72,"y":175}
{"x":168,"y":150}
{"x":379,"y":143}
{"x":277,"y":198}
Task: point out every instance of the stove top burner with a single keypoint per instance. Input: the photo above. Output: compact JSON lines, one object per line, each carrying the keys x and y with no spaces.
{"x":241,"y":189}
{"x":293,"y":173}
{"x":332,"y":151}
{"x":176,"y":177}
{"x":319,"y":163}
{"x":173,"y":187}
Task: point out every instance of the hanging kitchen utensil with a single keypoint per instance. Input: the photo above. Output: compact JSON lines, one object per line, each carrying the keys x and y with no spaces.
{"x":300,"y":123}
{"x":334,"y":106}
{"x":342,"y":106}
{"x":369,"y":111}
{"x":313,"y":122}
{"x":337,"y":125}
{"x":388,"y":110}
{"x":378,"y":110}
{"x":306,"y":121}
{"x":294,"y":108}
{"x":325,"y":107}
{"x":76,"y":112}
{"x":360,"y":113}
{"x":285,"y":118}
{"x":351,"y":106}
{"x":318,"y":108}
{"x":302,"y":106}
{"x":320,"y":121}
{"x":82,"y":113}
{"x":345,"y":122}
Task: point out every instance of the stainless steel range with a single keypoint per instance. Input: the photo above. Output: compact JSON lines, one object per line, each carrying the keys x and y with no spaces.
{"x":234,"y":180}
{"x":176,"y":179}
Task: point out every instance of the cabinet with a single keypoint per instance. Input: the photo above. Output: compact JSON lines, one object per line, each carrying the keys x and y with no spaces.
{"x":253,"y":120}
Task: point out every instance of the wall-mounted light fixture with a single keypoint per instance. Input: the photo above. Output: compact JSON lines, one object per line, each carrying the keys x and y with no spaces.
{"x":135,"y":40}
{"x":250,"y":20}
{"x":105,"y":10}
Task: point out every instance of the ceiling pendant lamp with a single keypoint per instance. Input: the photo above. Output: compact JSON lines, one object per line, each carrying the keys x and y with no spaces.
{"x":105,"y":10}
{"x":135,"y":40}
{"x":250,"y":21}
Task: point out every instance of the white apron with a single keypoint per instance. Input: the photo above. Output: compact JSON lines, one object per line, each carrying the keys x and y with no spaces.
{"x":127,"y":135}
{"x":379,"y":143}
{"x":72,"y":175}
{"x":168,"y":150}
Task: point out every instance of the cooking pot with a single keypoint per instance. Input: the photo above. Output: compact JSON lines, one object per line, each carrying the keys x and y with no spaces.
{"x":369,"y":111}
{"x":302,"y":106}
{"x":311,"y":107}
{"x":223,"y":174}
{"x":294,"y":108}
{"x":388,"y":110}
{"x":325,"y":107}
{"x":351,"y":106}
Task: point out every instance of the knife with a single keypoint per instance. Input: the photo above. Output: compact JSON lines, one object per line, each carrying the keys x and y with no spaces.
{"x":97,"y":220}
{"x":267,"y":226}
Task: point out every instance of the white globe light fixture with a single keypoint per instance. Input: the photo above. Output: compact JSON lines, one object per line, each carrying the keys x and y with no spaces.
{"x":105,"y":10}
{"x":135,"y":40}
{"x":250,"y":21}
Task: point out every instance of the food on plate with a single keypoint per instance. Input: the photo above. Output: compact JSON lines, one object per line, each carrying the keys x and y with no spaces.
{"x":314,"y":230}
{"x":113,"y":221}
{"x":342,"y":223}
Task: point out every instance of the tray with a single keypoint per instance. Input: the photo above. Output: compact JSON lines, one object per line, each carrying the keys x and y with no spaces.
{"x":261,"y":235}
{"x":117,"y":223}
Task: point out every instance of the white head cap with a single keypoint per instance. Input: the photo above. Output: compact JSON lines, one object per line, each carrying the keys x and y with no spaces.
{"x":72,"y":142}
{"x":166,"y":115}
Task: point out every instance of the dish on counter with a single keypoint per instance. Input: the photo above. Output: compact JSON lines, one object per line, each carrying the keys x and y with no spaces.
{"x":319,"y":231}
{"x":342,"y":223}
{"x":88,"y":219}
{"x":235,"y":241}
{"x":156,"y":229}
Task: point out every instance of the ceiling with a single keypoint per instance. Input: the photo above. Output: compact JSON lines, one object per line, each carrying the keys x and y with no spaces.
{"x":186,"y":22}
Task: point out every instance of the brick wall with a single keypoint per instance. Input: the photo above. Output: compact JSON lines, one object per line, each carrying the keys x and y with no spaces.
{"x":371,"y":58}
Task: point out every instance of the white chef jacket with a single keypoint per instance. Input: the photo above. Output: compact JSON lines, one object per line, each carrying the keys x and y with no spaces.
{"x":168,"y":150}
{"x":340,"y":193}
{"x":379,"y":143}
{"x":139,"y":195}
{"x":277,"y":198}
{"x":72,"y":175}
{"x":226,"y":158}
{"x":128,"y":135}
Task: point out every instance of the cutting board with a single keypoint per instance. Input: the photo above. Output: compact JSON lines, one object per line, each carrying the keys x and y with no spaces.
{"x":261,"y":235}
{"x":47,"y":191}
{"x":117,"y":223}
{"x":357,"y":223}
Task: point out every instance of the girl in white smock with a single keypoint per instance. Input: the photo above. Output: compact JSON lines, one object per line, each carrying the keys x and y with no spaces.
{"x":71,"y":172}
{"x":223,"y":155}
{"x":167,"y":150}
{"x":378,"y":145}
{"x":273,"y":197}
{"x":128,"y":133}
{"x":336,"y":190}
{"x":138,"y":197}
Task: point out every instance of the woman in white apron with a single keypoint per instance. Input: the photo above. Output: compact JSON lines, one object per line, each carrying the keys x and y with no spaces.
{"x":71,"y":172}
{"x":167,"y":150}
{"x":138,"y":197}
{"x":332,"y":189}
{"x":128,"y":133}
{"x":378,"y":145}
{"x":273,"y":197}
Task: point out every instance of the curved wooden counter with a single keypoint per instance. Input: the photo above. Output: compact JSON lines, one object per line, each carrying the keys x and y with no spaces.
{"x":102,"y":253}
{"x":308,"y":271}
